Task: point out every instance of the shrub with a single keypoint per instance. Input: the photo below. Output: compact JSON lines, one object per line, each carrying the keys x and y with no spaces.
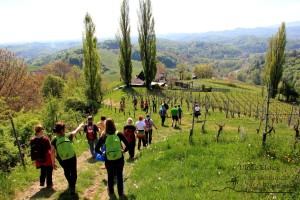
{"x":75,"y":103}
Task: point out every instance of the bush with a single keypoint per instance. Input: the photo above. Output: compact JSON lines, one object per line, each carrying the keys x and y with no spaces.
{"x":9,"y":154}
{"x":75,"y":103}
{"x":6,"y":188}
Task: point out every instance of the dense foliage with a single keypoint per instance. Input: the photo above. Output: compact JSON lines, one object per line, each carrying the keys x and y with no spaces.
{"x":275,"y":59}
{"x":125,"y":52}
{"x":147,"y":41}
{"x":91,"y":64}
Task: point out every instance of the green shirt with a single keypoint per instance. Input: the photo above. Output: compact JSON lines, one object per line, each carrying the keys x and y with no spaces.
{"x":174,"y":111}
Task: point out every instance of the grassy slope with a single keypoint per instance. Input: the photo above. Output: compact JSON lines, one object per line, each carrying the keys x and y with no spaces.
{"x":177,"y":169}
{"x":173,"y":168}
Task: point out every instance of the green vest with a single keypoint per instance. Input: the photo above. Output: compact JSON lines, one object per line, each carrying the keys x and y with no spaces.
{"x":113,"y":147}
{"x":64,"y":148}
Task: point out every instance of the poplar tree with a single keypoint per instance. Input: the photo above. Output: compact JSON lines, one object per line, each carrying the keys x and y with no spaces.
{"x":125,"y":45}
{"x":275,"y":59}
{"x":147,"y":41}
{"x":91,"y":61}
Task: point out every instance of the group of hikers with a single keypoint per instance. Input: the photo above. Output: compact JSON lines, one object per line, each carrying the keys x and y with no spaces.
{"x":144,"y":105}
{"x":103,"y":139}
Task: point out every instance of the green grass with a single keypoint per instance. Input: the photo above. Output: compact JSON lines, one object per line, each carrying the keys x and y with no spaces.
{"x":178,"y":169}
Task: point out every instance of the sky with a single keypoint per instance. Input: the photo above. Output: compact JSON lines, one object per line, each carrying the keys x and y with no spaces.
{"x":51,"y":20}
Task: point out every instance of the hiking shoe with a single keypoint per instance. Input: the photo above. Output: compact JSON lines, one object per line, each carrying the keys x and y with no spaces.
{"x":42,"y":184}
{"x":50,"y":186}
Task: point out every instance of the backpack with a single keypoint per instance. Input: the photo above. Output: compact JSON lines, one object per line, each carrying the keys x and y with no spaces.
{"x":179,"y":110}
{"x":113,"y":147}
{"x":64,"y":148}
{"x":162,"y":112}
{"x":38,"y":151}
{"x":128,"y":133}
{"x":148,"y":124}
{"x":90,"y":132}
{"x":166,"y":106}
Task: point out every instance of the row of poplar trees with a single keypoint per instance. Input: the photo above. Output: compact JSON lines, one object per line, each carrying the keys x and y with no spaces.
{"x":147,"y":42}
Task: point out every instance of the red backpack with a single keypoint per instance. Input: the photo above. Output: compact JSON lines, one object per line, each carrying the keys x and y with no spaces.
{"x":148,"y":124}
{"x":90,"y":132}
{"x":128,"y":132}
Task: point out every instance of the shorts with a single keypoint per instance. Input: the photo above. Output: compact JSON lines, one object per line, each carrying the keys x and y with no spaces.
{"x":175,"y":118}
{"x":197,"y":113}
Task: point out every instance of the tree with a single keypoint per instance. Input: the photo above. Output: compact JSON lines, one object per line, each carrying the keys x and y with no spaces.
{"x":147,"y":41}
{"x":58,"y":68}
{"x":275,"y":59}
{"x":182,"y":69}
{"x":125,"y":45}
{"x":91,"y":62}
{"x":53,"y":86}
{"x":161,"y":72}
{"x":18,"y":88}
{"x":12,"y":73}
{"x":204,"y":71}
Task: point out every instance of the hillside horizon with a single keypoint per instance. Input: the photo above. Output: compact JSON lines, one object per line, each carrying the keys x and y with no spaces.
{"x":293,"y":32}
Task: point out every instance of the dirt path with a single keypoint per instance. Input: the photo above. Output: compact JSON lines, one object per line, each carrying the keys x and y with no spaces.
{"x":95,"y":189}
{"x":59,"y":182}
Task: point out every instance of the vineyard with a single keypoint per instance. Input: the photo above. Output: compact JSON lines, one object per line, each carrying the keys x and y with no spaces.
{"x":234,"y":104}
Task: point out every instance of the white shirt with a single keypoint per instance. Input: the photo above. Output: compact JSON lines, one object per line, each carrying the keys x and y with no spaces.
{"x":197,"y":108}
{"x":140,"y":125}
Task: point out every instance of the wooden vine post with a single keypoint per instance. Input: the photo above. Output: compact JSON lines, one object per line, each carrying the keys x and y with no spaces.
{"x":17,"y":141}
{"x":192,"y":129}
{"x":296,"y":129}
{"x":220,"y":130}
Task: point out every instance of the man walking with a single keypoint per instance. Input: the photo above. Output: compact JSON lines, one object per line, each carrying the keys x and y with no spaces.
{"x":162,"y":112}
{"x":91,"y":131}
{"x":148,"y":129}
{"x":174,"y":114}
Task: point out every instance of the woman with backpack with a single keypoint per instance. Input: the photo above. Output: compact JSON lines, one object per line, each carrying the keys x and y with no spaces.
{"x":141,"y":125}
{"x":129,"y":131}
{"x":114,"y":159}
{"x":41,"y":155}
{"x":63,"y":150}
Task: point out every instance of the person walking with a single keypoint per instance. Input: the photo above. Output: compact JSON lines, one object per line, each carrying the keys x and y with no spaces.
{"x":63,"y":151}
{"x":154,"y":104}
{"x":101,"y":124}
{"x":174,"y":114}
{"x":135,"y":102}
{"x":114,"y":159}
{"x":41,"y":155}
{"x":129,"y":131}
{"x":142,"y":104}
{"x":146,"y":106}
{"x":148,"y":129}
{"x":140,"y":125}
{"x":91,"y":131}
{"x":180,"y":114}
{"x":163,"y":113}
{"x":197,"y":112}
